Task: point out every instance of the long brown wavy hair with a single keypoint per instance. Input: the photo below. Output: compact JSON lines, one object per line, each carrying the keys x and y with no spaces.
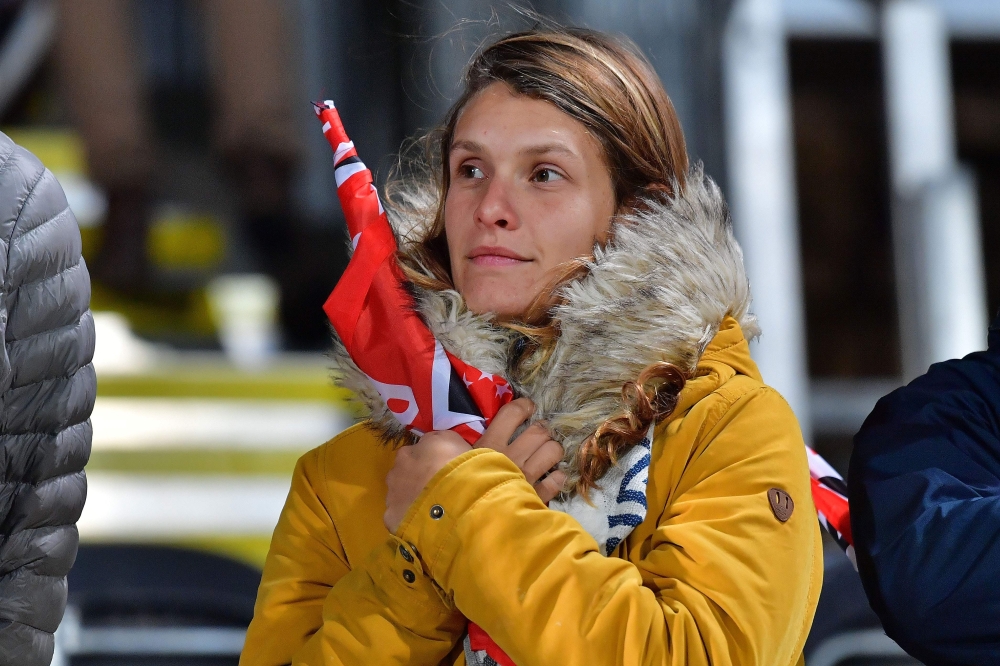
{"x":613,"y":90}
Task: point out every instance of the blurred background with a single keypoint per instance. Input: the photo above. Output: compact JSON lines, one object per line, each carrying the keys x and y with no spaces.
{"x":858,"y":143}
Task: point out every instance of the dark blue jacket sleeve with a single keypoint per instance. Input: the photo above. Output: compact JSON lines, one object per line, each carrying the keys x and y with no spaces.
{"x":924,"y":488}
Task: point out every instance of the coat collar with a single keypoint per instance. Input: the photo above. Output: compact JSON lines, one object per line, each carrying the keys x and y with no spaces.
{"x":669,"y":286}
{"x":727,"y":355}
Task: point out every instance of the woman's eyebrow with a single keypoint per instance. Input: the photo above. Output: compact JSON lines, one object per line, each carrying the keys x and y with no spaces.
{"x":471,"y":146}
{"x":540,"y":149}
{"x":548,"y":149}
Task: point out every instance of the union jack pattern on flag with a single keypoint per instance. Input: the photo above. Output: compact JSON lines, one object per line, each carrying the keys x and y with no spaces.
{"x":829,"y":493}
{"x":422,"y":384}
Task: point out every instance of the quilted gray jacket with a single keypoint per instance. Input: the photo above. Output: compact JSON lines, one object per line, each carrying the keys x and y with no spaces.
{"x":47,"y":391}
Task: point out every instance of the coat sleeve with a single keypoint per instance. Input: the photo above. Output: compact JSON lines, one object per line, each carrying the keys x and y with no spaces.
{"x":925,"y":511}
{"x":720,"y":581}
{"x":48,"y":390}
{"x":313,"y":608}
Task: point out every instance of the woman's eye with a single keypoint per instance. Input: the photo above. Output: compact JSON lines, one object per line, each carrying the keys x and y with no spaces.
{"x":546,"y":176}
{"x":470,"y":171}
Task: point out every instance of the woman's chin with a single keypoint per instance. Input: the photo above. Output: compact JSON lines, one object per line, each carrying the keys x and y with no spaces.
{"x":503,"y":307}
{"x":506,"y":296}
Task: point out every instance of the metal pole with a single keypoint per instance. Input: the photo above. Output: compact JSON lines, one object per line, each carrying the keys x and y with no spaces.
{"x":937,"y":244}
{"x":762,"y":192}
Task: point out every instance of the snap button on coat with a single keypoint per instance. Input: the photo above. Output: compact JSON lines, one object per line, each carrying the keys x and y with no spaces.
{"x":437,"y":511}
{"x":409,"y":576}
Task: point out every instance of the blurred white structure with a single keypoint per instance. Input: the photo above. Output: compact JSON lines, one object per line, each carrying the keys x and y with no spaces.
{"x":940,"y":279}
{"x":936,"y":236}
{"x":117,"y":349}
{"x":860,"y":18}
{"x":144,"y":424}
{"x":152,"y":505}
{"x":159,"y":506}
{"x":762,"y":192}
{"x":74,"y":639}
{"x":245,"y":310}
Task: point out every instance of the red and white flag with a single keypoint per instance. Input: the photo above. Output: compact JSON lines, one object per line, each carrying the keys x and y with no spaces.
{"x":423,"y":385}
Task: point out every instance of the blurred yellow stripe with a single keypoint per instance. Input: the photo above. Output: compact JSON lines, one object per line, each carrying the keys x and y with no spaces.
{"x":195,"y":461}
{"x":216,"y":382}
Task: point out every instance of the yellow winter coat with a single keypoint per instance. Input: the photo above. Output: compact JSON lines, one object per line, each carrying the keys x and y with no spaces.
{"x":712,"y":576}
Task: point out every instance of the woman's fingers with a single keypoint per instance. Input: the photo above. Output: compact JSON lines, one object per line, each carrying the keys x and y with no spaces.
{"x":508,"y":419}
{"x":534,"y":451}
{"x":526,"y":444}
{"x":550,"y":486}
{"x":542,"y":459}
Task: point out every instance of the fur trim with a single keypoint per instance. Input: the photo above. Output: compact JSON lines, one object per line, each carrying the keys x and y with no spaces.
{"x":658,"y":291}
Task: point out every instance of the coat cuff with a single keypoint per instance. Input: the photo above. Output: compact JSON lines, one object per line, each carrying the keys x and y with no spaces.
{"x":405,"y":584}
{"x":432,"y":523}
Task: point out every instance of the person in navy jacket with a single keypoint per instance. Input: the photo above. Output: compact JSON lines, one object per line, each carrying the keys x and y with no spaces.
{"x":924,"y":489}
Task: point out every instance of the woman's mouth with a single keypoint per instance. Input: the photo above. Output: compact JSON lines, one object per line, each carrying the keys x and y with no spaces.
{"x":495,"y":256}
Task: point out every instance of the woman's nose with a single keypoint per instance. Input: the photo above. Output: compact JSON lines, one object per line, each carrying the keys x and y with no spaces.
{"x":495,"y":208}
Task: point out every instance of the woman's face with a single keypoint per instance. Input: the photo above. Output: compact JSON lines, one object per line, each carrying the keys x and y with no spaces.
{"x":529,"y":191}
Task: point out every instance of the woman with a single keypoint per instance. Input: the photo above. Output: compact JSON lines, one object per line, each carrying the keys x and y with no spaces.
{"x":564,"y":245}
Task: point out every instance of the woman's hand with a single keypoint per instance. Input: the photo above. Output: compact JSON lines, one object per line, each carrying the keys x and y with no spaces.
{"x":534,"y":453}
{"x":414,"y":467}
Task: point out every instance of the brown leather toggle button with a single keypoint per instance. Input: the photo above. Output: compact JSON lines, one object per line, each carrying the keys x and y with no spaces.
{"x":781,"y":504}
{"x":405,"y":553}
{"x":437,"y":511}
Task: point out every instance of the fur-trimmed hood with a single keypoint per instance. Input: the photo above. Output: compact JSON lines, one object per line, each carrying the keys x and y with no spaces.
{"x":658,"y":291}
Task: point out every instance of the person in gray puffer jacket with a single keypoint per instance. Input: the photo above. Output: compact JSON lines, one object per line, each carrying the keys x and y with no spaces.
{"x":47,"y":391}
